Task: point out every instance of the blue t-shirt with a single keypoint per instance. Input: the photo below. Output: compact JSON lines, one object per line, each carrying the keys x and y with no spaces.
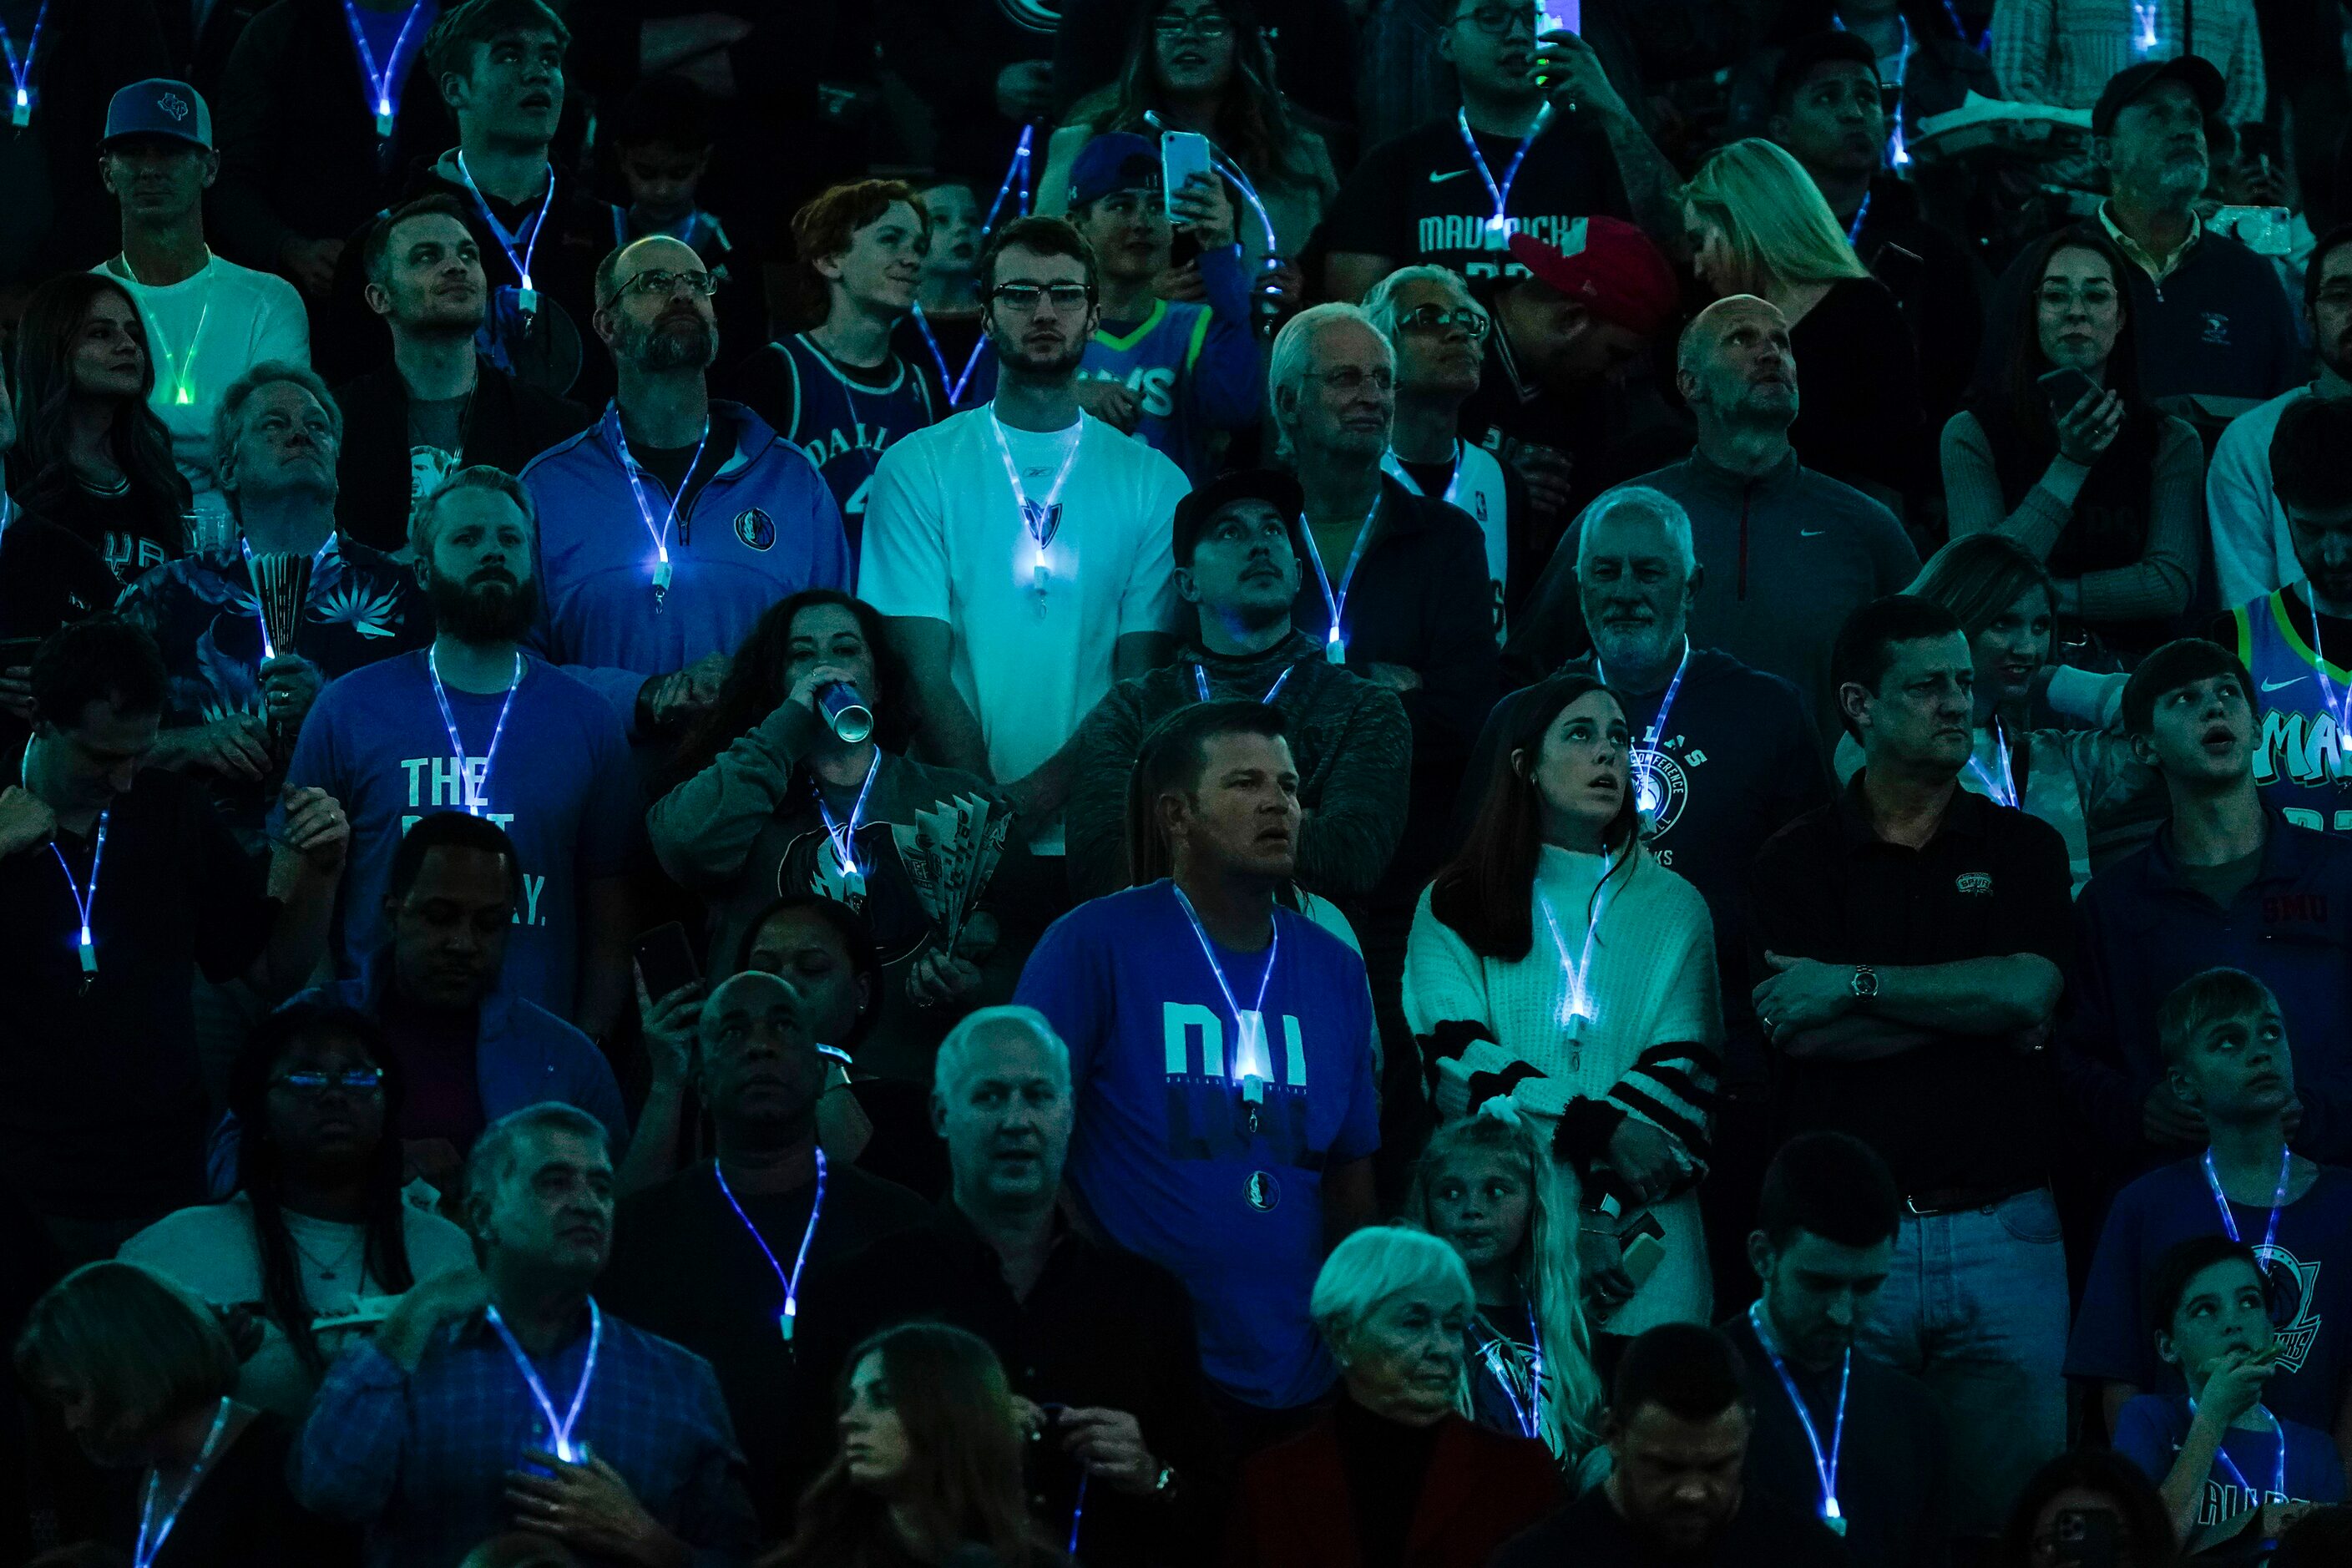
{"x":1163,"y":1155}
{"x":561,"y":786}
{"x":2150,"y":1430}
{"x":2310,"y":1269}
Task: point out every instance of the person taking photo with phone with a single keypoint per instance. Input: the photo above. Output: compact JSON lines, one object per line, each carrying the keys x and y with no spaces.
{"x":2067,"y":456}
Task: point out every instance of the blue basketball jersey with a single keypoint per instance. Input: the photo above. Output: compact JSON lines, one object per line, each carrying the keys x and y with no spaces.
{"x":1154,"y":360}
{"x":2303,"y":760}
{"x":844,"y":425}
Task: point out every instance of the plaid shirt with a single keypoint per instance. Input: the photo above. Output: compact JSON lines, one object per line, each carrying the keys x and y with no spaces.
{"x":421,"y":1459}
{"x":2062,"y":52}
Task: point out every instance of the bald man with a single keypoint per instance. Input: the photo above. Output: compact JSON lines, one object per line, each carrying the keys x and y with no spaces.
{"x":710,"y":1257}
{"x":681,"y":518}
{"x":1777,"y":539}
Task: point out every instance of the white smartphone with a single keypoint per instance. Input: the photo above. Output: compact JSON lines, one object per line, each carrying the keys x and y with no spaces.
{"x":1182,"y":154}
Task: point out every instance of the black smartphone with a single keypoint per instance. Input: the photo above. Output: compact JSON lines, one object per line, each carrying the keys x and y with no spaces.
{"x":666,"y":958}
{"x":2086,"y":1537}
{"x":2065,"y":387}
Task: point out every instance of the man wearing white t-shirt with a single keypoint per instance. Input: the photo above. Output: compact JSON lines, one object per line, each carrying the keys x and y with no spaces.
{"x":1016,"y":612}
{"x":208,"y":320}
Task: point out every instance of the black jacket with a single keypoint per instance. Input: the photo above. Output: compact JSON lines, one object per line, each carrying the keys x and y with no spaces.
{"x":89,"y":50}
{"x":507,"y":425}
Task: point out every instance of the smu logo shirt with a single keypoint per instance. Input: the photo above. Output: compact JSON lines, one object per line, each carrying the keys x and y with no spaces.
{"x":1166,"y":1156}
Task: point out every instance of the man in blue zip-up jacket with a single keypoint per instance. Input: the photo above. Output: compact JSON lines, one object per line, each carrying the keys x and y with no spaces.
{"x":668,"y":528}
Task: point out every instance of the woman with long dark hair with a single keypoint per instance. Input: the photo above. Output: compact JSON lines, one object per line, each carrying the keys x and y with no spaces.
{"x":2095,"y":1487}
{"x":317,"y":1229}
{"x":1204,"y":66}
{"x":2097,"y":483}
{"x":930,"y":1461}
{"x":1557,"y":963}
{"x":90,"y":455}
{"x":768,"y":797}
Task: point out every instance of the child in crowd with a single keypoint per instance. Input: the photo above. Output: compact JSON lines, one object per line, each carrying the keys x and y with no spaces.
{"x":944,"y":326}
{"x":663,"y":135}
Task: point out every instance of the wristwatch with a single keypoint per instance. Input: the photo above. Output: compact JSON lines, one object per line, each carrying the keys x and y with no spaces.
{"x":1866,"y":983}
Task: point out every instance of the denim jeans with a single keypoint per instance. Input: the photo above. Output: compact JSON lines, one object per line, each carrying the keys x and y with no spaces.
{"x":1976,"y":1309}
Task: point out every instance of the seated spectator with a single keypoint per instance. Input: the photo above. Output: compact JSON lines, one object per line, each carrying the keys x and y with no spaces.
{"x":771,"y":799}
{"x":470,"y":1050}
{"x":438,"y":405}
{"x":394,"y":741}
{"x":2228,"y":882}
{"x":2253,"y":550}
{"x":2283,"y":638}
{"x":1488,"y":1188}
{"x":2083,"y":781}
{"x":1760,"y":227}
{"x":158,"y":161}
{"x":930,"y":1461}
{"x":2229,"y":1064}
{"x":1394,"y":1460}
{"x":318,"y":1237}
{"x":2091,"y":1494}
{"x":1206,"y":67}
{"x":838,"y":390}
{"x":664,"y":456}
{"x":415,"y":1428}
{"x":2230,"y":1468}
{"x":2091,"y":477}
{"x":1756,"y":511}
{"x":1436,"y":330}
{"x":2065,"y":53}
{"x":93,"y":459}
{"x":320,"y":117}
{"x":1910,"y":940}
{"x":1167,"y":1157}
{"x":2209,"y":316}
{"x":58,"y":216}
{"x":1830,"y":111}
{"x":1514,"y":159}
{"x":101,"y":1106}
{"x":146,"y":1380}
{"x":1678,"y":1433}
{"x":1607,"y":1036}
{"x":1237,"y":564}
{"x":1868,"y":1453}
{"x":664,"y":133}
{"x":1097,"y":1342}
{"x":253,"y":629}
{"x":714,"y":1257}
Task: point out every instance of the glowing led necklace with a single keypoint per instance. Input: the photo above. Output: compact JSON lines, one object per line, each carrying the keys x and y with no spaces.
{"x":527,"y":298}
{"x":154,"y":1531}
{"x":474,"y":800}
{"x":20,"y":68}
{"x":1824,"y":1465}
{"x":1335,"y":645}
{"x":559,"y":1431}
{"x":1499,"y":225}
{"x":787,"y":1314}
{"x":83,"y":901}
{"x":1253,"y":1063}
{"x":660,"y":535}
{"x":382,"y":84}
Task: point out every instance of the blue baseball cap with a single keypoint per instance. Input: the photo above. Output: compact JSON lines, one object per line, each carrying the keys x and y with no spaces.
{"x":1113,"y":162}
{"x":159,"y":107}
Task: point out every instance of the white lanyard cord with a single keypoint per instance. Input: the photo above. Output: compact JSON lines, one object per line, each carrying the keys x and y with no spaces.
{"x":499,"y":231}
{"x":559,"y":1431}
{"x":152,"y":1535}
{"x":474,"y":801}
{"x":789,"y":1313}
{"x":845,"y":838}
{"x":1335,"y":644}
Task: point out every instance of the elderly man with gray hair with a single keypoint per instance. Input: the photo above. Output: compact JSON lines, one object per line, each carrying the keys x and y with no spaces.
{"x":253,"y":625}
{"x":510,"y":1399}
{"x":722,"y":1257}
{"x":1098,"y":1345}
{"x":474,"y":724}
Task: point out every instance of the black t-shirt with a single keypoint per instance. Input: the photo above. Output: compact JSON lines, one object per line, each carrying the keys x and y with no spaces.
{"x":668,"y":464}
{"x":1420,"y":198}
{"x":1893,"y":1486}
{"x":1591,"y":1533}
{"x":244,"y":1513}
{"x":49,"y":576}
{"x":1962,"y":1111}
{"x":101,"y":1109}
{"x":131,"y":529}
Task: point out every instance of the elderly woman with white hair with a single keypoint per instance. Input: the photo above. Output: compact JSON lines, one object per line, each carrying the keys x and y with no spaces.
{"x":1394,"y":1473}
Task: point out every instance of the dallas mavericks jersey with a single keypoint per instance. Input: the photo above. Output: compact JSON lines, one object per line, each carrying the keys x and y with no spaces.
{"x":1477,"y":488}
{"x":2303,"y":760}
{"x":844,"y":424}
{"x":1154,"y":360}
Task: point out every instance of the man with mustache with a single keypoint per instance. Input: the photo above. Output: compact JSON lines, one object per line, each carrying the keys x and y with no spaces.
{"x":439,"y":405}
{"x":683,"y":517}
{"x":475,"y":724}
{"x":510,"y":1399}
{"x":2254,"y":551}
{"x":711,"y":1258}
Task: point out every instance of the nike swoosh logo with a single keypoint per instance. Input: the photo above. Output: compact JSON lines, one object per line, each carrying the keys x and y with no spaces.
{"x":2283,"y":685}
{"x":1438,"y":179}
{"x":1810,"y":532}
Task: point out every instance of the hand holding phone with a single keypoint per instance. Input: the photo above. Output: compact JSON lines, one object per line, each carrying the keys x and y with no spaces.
{"x":665,"y":959}
{"x":1182,"y":154}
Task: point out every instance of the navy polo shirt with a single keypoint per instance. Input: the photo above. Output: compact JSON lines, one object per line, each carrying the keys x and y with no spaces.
{"x":2141,"y":931}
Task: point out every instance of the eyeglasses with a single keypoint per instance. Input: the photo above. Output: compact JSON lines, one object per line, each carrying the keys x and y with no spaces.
{"x":1206,"y":26}
{"x":1502,"y":21}
{"x":1348,"y":380}
{"x":1024,"y":297}
{"x":356,"y":1080}
{"x":1438,"y":319}
{"x":660,"y":284}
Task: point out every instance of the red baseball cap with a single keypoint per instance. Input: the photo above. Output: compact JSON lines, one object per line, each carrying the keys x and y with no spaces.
{"x":1610,"y":268}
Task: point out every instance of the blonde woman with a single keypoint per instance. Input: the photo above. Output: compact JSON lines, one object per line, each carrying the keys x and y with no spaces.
{"x":1488,"y":1188}
{"x":1758,"y":224}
